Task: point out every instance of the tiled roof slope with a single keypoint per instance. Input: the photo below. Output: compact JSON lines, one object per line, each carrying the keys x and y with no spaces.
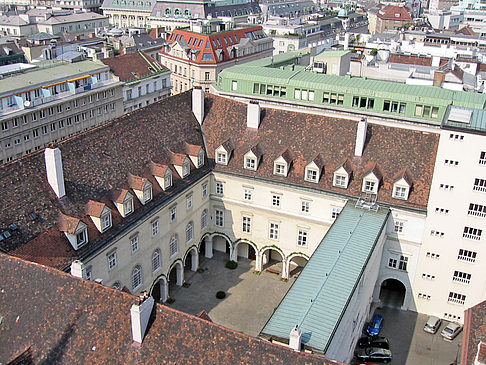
{"x":474,"y":332}
{"x":134,"y":66}
{"x":72,"y":321}
{"x":306,"y":135}
{"x":393,"y":12}
{"x":95,"y":164}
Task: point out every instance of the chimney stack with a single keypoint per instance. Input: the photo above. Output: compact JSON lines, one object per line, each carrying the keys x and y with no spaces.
{"x":360,"y":137}
{"x":253,"y":115}
{"x":198,"y":103}
{"x":78,"y":269}
{"x":295,"y":338}
{"x":140,"y":314}
{"x":55,"y":176}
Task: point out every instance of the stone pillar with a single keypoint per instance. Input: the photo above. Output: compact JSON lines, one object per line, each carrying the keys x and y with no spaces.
{"x":164,"y":290}
{"x":258,"y":262}
{"x":208,"y":247}
{"x":285,"y":269}
{"x":180,"y":274}
{"x":194,"y":261}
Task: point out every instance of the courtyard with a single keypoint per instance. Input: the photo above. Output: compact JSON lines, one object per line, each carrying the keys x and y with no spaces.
{"x":250,"y":298}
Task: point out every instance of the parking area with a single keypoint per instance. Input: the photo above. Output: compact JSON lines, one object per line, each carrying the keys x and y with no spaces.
{"x":411,"y":345}
{"x":250,"y":298}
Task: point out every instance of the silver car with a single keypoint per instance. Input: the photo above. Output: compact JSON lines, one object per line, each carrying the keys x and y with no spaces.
{"x":432,"y":325}
{"x":451,"y":331}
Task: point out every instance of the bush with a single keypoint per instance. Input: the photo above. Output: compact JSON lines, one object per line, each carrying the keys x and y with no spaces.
{"x":230,"y":264}
{"x":221,"y":294}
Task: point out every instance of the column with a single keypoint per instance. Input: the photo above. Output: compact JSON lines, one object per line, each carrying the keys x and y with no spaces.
{"x":258,"y":262}
{"x":194,"y":260}
{"x":209,"y":247}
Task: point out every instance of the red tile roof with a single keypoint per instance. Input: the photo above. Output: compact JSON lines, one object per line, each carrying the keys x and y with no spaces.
{"x":306,"y":135}
{"x":393,"y":12}
{"x":68,"y":224}
{"x":50,"y":317}
{"x":94,"y":209}
{"x":134,"y":66}
{"x":136,"y":182}
{"x":410,"y":59}
{"x":474,"y":333}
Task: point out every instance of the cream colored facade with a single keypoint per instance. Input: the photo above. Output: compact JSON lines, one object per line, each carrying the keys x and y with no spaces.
{"x":127,"y":18}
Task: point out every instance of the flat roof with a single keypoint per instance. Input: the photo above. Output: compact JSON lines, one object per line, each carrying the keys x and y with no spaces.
{"x":319,"y":297}
{"x":49,"y":75}
{"x":465,"y":118}
{"x":326,"y":54}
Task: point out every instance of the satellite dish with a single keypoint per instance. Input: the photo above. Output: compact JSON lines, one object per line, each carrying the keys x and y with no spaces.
{"x":27,"y":103}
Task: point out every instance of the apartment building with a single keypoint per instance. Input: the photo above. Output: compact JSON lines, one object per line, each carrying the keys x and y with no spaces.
{"x":83,"y":5}
{"x":197,"y":55}
{"x":50,"y":104}
{"x":145,"y":80}
{"x":388,"y":17}
{"x":131,"y":14}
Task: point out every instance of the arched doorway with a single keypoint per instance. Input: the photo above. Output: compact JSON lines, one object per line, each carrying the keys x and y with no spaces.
{"x":295,"y":265}
{"x":160,"y":290}
{"x":191,"y":261}
{"x":392,"y":293}
{"x":272,"y":261}
{"x":176,"y":275}
{"x":245,"y":249}
{"x":222,"y":244}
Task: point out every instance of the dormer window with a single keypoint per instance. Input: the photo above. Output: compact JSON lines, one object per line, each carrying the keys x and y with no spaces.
{"x":280,"y":169}
{"x":200,"y":159}
{"x":222,"y":158}
{"x":168,"y":179}
{"x":250,"y":163}
{"x":400,"y":192}
{"x":223,"y":152}
{"x":340,"y":181}
{"x":311,"y":175}
{"x":186,"y":168}
{"x":342,"y":175}
{"x":128,"y":206}
{"x":369,"y":186}
{"x":282,"y":163}
{"x":252,"y":158}
{"x":81,"y":236}
{"x":105,"y":221}
{"x":402,"y":185}
{"x":147,"y":193}
{"x":371,"y":181}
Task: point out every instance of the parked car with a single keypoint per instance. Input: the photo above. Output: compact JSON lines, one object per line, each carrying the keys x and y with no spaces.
{"x":375,"y":325}
{"x":374,"y":354}
{"x":373,"y":341}
{"x":451,"y":330}
{"x":432,"y":325}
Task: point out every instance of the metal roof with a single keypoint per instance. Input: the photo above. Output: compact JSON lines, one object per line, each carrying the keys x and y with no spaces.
{"x":319,"y":297}
{"x":464,"y":118}
{"x":327,"y":54}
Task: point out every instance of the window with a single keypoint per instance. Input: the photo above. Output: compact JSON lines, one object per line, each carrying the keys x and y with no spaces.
{"x":186,"y":168}
{"x":423,"y":296}
{"x":302,"y":238}
{"x":35,"y":132}
{"x":219,"y":218}
{"x":400,"y":192}
{"x":219,"y":188}
{"x":461,"y":277}
{"x":221,"y":158}
{"x":472,"y":233}
{"x":276,"y":200}
{"x":305,"y":206}
{"x":340,"y":181}
{"x":482,"y":158}
{"x":200,"y":159}
{"x":335,"y":212}
{"x":248,"y":194}
{"x":456,"y":137}
{"x":134,"y":243}
{"x":279,"y":169}
{"x":204,"y":190}
{"x":204,"y":219}
{"x":81,"y":237}
{"x":156,"y":262}
{"x":446,"y":187}
{"x":456,"y":298}
{"x":26,"y":137}
{"x":451,"y":163}
{"x":234,"y":85}
{"x":105,"y":221}
{"x":147,"y":194}
{"x":442,"y":211}
{"x":311,"y":175}
{"x":437,"y":233}
{"x":369,"y":186}
{"x":168,"y":179}
{"x":398,"y":227}
{"x":400,"y":264}
{"x":250,"y":163}
{"x":246,"y":228}
{"x":477,"y":210}
{"x":136,"y":277}
{"x":155,"y":228}
{"x":466,"y":255}
{"x":116,"y":285}
{"x":189,"y":232}
{"x":173,"y":213}
{"x":128,"y":206}
{"x":479,"y":185}
{"x":433,"y":255}
{"x":112,"y":261}
{"x":174,"y":245}
{"x":273,"y":231}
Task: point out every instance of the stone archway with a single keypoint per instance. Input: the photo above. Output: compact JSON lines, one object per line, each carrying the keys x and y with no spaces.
{"x":176,"y":274}
{"x":160,"y":290}
{"x":273,"y":260}
{"x":244,"y":249}
{"x":222,"y":243}
{"x":295,"y":264}
{"x":191,"y":259}
{"x":392,"y":293}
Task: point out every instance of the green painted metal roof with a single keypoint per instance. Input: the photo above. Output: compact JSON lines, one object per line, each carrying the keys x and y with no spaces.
{"x":49,"y":75}
{"x":319,"y":297}
{"x":328,"y":54}
{"x":476,"y":123}
{"x":276,"y":59}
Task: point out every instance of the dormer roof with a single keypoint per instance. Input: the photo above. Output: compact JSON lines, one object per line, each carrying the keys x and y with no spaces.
{"x":119,"y":195}
{"x":177,"y":158}
{"x":136,"y":182}
{"x":68,"y":224}
{"x":94,"y":208}
{"x":192,"y":149}
{"x":286,"y":156}
{"x":346,"y":165}
{"x":318,"y":161}
{"x":375,"y":171}
{"x":228,"y":145}
{"x":257,"y":151}
{"x":158,"y":169}
{"x":405,"y":175}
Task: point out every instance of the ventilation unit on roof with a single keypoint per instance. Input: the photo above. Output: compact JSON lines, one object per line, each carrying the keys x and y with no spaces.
{"x":460,"y":115}
{"x":13,"y":227}
{"x":33,"y":216}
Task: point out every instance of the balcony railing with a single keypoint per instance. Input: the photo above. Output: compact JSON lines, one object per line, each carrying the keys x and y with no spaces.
{"x":466,"y":258}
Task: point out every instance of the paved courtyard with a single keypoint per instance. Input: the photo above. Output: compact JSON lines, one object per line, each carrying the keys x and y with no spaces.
{"x":410,"y":345}
{"x":250,"y":298}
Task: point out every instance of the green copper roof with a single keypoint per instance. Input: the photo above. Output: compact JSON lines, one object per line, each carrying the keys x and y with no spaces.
{"x":472,"y":119}
{"x":327,"y":54}
{"x":319,"y":297}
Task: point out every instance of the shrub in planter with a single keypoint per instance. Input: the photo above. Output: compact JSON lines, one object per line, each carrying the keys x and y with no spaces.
{"x":221,"y":294}
{"x":230,"y":264}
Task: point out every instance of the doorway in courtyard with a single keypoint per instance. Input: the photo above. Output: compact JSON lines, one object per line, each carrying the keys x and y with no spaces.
{"x":272,"y":261}
{"x":392,"y":293}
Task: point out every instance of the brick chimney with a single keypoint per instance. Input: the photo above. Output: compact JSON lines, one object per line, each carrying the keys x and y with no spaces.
{"x":360,"y":137}
{"x":198,"y":103}
{"x":295,"y":338}
{"x":253,"y":115}
{"x":55,"y":175}
{"x":439,"y":78}
{"x":78,"y":269}
{"x":140,"y":315}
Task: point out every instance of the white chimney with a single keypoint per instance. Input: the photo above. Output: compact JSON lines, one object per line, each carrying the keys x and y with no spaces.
{"x":253,"y":115}
{"x":198,"y":103}
{"x":55,"y":176}
{"x":140,"y":313}
{"x":360,"y":137}
{"x":295,"y":338}
{"x":78,"y":269}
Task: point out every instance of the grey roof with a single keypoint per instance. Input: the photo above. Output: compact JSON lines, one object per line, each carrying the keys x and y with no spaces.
{"x":135,"y":5}
{"x":42,"y":36}
{"x":319,"y":297}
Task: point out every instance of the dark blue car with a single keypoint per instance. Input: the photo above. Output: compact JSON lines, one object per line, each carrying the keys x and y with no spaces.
{"x":375,"y":325}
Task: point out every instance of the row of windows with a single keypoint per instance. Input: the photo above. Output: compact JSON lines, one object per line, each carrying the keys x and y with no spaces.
{"x":271,"y":90}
